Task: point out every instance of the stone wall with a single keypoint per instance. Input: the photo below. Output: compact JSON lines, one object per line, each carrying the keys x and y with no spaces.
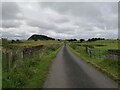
{"x":31,"y":50}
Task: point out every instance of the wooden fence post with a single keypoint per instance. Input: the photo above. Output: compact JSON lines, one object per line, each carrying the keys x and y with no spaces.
{"x":86,"y":49}
{"x":21,"y":54}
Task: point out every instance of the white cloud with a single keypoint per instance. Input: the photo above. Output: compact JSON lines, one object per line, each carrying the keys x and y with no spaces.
{"x":60,"y":20}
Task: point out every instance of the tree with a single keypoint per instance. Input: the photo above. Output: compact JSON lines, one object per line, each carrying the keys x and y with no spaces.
{"x":18,"y":40}
{"x":12,"y":41}
{"x":81,"y":40}
{"x":59,"y":39}
{"x":74,"y":39}
{"x":71,"y":40}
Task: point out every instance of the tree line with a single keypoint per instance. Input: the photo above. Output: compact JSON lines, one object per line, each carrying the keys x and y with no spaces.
{"x":89,"y":40}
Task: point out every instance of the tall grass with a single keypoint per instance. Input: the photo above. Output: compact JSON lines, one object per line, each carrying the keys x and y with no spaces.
{"x":32,"y":71}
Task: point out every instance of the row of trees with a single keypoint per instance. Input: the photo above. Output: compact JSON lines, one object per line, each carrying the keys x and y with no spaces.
{"x":89,"y":40}
{"x":71,"y":39}
{"x":95,"y":39}
{"x":15,"y":41}
{"x":6,"y":41}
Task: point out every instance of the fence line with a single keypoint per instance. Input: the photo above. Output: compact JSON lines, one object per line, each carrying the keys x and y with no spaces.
{"x":103,"y":54}
{"x":10,"y":56}
{"x":96,"y":53}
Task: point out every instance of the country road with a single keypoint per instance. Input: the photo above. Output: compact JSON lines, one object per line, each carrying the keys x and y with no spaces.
{"x":69,"y":71}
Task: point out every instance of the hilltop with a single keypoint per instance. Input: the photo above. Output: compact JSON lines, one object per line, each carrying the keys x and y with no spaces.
{"x":40,"y":37}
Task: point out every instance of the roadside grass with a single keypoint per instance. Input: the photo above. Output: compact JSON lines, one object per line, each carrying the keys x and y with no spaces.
{"x":43,"y":67}
{"x":31,"y":72}
{"x":109,"y":67}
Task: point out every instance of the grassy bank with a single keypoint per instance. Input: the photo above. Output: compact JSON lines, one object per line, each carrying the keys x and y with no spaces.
{"x":107,"y":66}
{"x":31,"y":72}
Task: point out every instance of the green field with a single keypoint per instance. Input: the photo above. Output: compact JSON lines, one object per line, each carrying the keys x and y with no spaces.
{"x":102,"y":44}
{"x":106,"y":65}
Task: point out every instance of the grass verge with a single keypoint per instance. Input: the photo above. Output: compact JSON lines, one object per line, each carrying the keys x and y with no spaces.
{"x":43,"y":69}
{"x":31,"y":72}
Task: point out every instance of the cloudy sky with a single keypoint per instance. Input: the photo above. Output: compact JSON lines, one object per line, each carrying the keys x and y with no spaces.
{"x":62,"y":20}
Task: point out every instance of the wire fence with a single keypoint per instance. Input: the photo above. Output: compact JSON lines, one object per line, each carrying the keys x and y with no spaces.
{"x":96,"y":53}
{"x":9,"y":57}
{"x":103,"y":54}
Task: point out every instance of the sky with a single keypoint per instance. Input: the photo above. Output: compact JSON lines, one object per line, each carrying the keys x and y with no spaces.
{"x":60,"y":20}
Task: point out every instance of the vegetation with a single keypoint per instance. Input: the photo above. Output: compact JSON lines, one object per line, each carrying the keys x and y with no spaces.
{"x":40,"y":37}
{"x":71,"y":40}
{"x":108,"y":66}
{"x":32,"y":70}
{"x":81,"y":40}
{"x":101,"y":44}
{"x":95,"y":39}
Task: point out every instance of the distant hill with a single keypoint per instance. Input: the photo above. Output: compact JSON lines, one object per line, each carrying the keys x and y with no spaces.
{"x":40,"y":37}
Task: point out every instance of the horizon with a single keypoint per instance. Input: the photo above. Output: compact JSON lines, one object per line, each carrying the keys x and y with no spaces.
{"x":56,"y":38}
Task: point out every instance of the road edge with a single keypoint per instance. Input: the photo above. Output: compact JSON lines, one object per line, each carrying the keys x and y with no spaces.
{"x":49,"y":67}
